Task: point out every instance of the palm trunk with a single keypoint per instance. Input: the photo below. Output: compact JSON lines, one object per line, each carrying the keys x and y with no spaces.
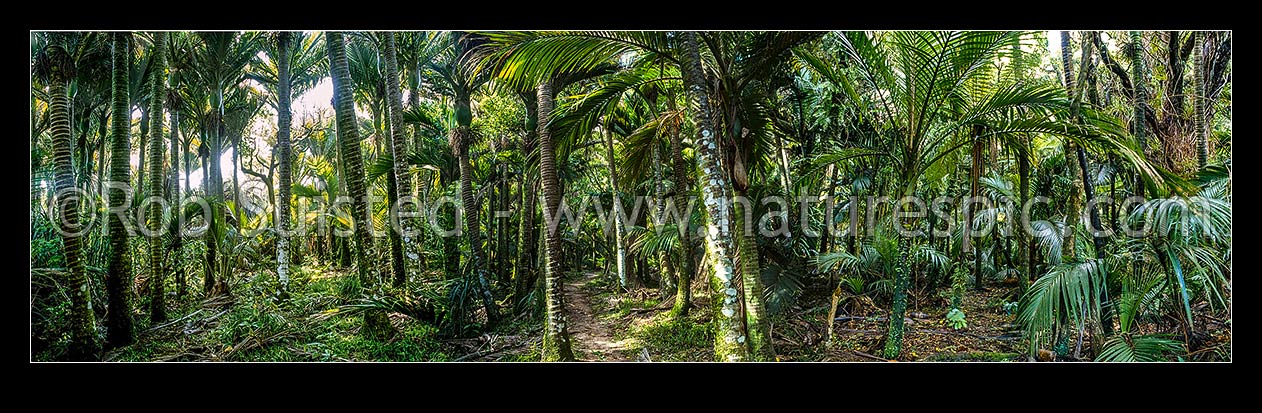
{"x":1198,"y":102}
{"x":420,"y":186}
{"x":157,"y":279}
{"x":666,"y":281}
{"x":751,"y":281}
{"x":730,"y":336}
{"x":177,"y":241}
{"x":1023,"y":178}
{"x":1074,"y":202}
{"x":620,"y":247}
{"x":526,"y":246}
{"x":215,"y":282}
{"x":1088,"y":188}
{"x":501,"y":227}
{"x":141,"y":151}
{"x":461,"y":137}
{"x":283,"y":150}
{"x":375,"y":323}
{"x":783,"y":159}
{"x":236,"y":182}
{"x":825,"y":239}
{"x":406,"y":227}
{"x":894,"y":336}
{"x":974,"y":178}
{"x":208,"y":275}
{"x":82,"y":322}
{"x":397,"y":270}
{"x":556,"y":336}
{"x":1139,"y":74}
{"x":102,"y":175}
{"x":118,"y":281}
{"x":683,"y":282}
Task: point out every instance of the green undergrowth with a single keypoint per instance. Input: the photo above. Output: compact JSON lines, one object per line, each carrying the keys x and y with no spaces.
{"x":313,"y":324}
{"x":672,"y":339}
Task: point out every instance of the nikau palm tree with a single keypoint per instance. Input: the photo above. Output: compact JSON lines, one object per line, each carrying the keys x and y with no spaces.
{"x":58,"y":65}
{"x":284,"y":149}
{"x":375,"y":323}
{"x":730,"y":337}
{"x":556,"y":337}
{"x":157,"y":251}
{"x":406,"y":227}
{"x":119,"y":279}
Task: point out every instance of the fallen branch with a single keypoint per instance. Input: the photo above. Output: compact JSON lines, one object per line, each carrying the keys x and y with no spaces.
{"x":302,"y":352}
{"x":215,"y":316}
{"x":645,"y":310}
{"x":171,"y":323}
{"x":253,"y":342}
{"x":488,"y":352}
{"x":180,"y":355}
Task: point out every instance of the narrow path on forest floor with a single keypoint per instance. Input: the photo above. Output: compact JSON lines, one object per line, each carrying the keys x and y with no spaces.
{"x":590,"y":338}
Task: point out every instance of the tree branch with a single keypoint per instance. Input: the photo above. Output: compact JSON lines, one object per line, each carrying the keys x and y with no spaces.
{"x":1118,"y":71}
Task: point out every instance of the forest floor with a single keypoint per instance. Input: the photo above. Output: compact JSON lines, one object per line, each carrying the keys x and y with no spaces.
{"x":606,"y":324}
{"x":990,"y":333}
{"x":590,"y":338}
{"x":640,"y":320}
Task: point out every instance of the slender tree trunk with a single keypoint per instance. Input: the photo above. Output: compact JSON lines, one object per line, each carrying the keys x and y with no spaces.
{"x":974,"y":185}
{"x":208,"y":267}
{"x":460,"y":140}
{"x":237,"y":211}
{"x":102,"y":174}
{"x":375,"y":323}
{"x":556,"y":336}
{"x":82,"y":322}
{"x":406,"y":227}
{"x":1088,"y":187}
{"x":1198,"y":101}
{"x":748,"y":259}
{"x":666,"y":265}
{"x":118,"y":282}
{"x":527,"y":245}
{"x":216,"y":284}
{"x":527,"y":239}
{"x":679,"y":173}
{"x":620,"y":248}
{"x":501,"y":225}
{"x":177,"y":240}
{"x":397,"y":270}
{"x":730,"y":336}
{"x":894,"y":337}
{"x":1139,"y":75}
{"x":283,"y":151}
{"x":462,"y":135}
{"x":826,"y":238}
{"x":420,"y":186}
{"x":783,"y":164}
{"x":141,"y":151}
{"x":1074,"y":201}
{"x":157,"y":279}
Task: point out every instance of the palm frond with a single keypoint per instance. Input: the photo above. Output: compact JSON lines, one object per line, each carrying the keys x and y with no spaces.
{"x":1144,"y":348}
